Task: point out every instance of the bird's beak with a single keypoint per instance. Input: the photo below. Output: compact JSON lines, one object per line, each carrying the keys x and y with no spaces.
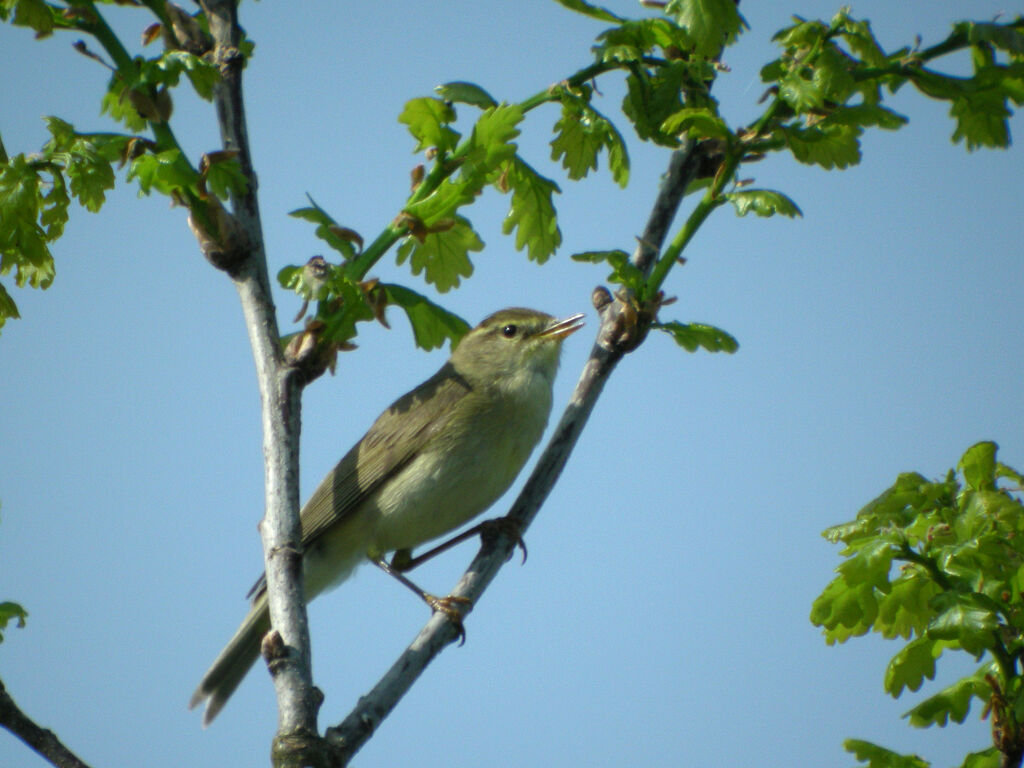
{"x":562,"y":328}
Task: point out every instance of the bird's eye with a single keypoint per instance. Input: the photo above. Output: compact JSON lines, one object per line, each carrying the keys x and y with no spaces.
{"x":509,"y":331}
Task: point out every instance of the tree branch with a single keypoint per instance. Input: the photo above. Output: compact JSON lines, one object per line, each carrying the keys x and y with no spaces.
{"x":280,"y":391}
{"x":42,"y":740}
{"x":349,"y":736}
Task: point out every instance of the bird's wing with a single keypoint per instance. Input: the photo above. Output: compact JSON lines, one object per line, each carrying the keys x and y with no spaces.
{"x":394,"y":440}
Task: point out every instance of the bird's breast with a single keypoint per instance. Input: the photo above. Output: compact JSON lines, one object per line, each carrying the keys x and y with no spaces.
{"x":457,"y":476}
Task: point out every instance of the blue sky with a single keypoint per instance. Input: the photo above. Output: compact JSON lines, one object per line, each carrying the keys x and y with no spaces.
{"x":661,"y":618}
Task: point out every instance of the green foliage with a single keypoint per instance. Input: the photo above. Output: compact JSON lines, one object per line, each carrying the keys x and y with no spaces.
{"x":879,"y":757}
{"x":164,"y":172}
{"x":711,"y":24}
{"x":224,"y":177}
{"x":327,"y":229}
{"x":11,"y":612}
{"x":655,"y":95}
{"x":489,"y":146}
{"x":694,"y":336}
{"x":582,"y":133}
{"x":636,"y":39}
{"x":467,"y":93}
{"x":624,"y":272}
{"x":593,"y":11}
{"x":432,"y":325}
{"x":763,"y":202}
{"x":35,"y":194}
{"x":938,"y":563}
{"x":532,"y":213}
{"x":697,"y":123}
{"x":428,"y":121}
{"x":830,"y":78}
{"x":442,"y":257}
{"x":952,"y":702}
{"x":34,"y":14}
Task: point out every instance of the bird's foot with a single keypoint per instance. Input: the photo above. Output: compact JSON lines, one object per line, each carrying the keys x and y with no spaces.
{"x":454,"y":608}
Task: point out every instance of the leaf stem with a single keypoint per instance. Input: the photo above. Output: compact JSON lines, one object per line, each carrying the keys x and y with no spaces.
{"x":579,"y":78}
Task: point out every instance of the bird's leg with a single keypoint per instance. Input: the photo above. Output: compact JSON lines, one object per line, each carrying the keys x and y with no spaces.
{"x":449,"y":606}
{"x":403,"y":560}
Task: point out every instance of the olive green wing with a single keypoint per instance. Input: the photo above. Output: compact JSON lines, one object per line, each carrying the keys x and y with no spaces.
{"x":393,"y":441}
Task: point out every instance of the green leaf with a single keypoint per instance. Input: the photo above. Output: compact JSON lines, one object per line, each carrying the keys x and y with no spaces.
{"x":909,"y":668}
{"x":635,"y":38}
{"x":697,"y":123}
{"x":443,"y":201}
{"x":869,"y":565}
{"x":1003,"y":36}
{"x":23,"y":213}
{"x":203,"y":74}
{"x":1009,"y":473}
{"x":804,"y":35}
{"x":8,"y":309}
{"x":969,"y":625}
{"x":952,"y":702}
{"x":905,"y":610}
{"x":866,"y":116}
{"x":858,"y":35}
{"x":162,"y":171}
{"x":763,"y":202}
{"x":830,"y":146}
{"x":89,"y":174}
{"x":880,"y":757}
{"x":427,"y":120}
{"x":532,"y":212}
{"x":225,"y":179}
{"x":11,"y":612}
{"x":312,"y":281}
{"x":801,"y":93}
{"x":326,"y":228}
{"x":651,"y":99}
{"x":467,"y":93}
{"x":981,"y":120}
{"x":432,"y":325}
{"x":711,"y":24}
{"x":116,"y":104}
{"x":442,"y":257}
{"x":844,"y":611}
{"x":832,"y":75}
{"x":694,"y":336}
{"x":987,"y":758}
{"x":582,"y":132}
{"x":34,"y":14}
{"x":86,"y":160}
{"x":490,"y":144}
{"x":593,"y":11}
{"x":978,"y":465}
{"x":624,"y":272}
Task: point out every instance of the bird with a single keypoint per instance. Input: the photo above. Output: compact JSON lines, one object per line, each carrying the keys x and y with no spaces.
{"x":436,"y":458}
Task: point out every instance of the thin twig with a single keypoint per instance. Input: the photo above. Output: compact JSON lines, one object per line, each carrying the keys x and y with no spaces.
{"x":42,"y":740}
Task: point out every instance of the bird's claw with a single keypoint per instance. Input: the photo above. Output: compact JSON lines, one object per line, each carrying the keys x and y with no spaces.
{"x":450,"y":607}
{"x":489,"y":529}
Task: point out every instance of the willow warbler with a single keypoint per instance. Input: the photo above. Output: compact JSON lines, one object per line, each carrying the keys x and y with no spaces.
{"x":435,"y":459}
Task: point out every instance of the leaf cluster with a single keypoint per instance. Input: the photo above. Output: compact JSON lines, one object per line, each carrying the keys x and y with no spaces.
{"x":830,"y":81}
{"x":36,"y":189}
{"x":343,"y":299}
{"x":939,"y":564}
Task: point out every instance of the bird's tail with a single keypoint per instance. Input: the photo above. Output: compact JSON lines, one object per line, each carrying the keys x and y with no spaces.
{"x":234,"y":662}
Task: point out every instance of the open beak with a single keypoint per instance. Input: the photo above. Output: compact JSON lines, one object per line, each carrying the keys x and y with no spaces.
{"x":562,"y":328}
